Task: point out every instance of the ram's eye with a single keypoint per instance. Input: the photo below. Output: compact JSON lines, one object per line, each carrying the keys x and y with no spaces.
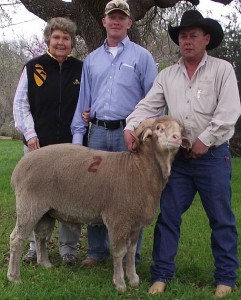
{"x":160,"y":128}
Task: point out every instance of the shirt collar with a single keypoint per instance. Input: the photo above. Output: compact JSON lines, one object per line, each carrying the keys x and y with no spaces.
{"x":202,"y":62}
{"x":55,"y":57}
{"x":124,"y":42}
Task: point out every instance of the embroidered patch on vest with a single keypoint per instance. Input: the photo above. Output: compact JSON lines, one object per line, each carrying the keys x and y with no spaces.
{"x":39,"y":75}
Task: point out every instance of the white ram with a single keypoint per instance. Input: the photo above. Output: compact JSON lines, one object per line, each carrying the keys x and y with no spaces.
{"x":76,"y":184}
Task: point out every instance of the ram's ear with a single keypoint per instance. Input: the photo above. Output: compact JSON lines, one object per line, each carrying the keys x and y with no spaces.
{"x":136,"y":143}
{"x":186,"y":143}
{"x":146,"y":134}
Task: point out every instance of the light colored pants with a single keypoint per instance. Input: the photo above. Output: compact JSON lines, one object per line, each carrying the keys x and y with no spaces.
{"x":68,"y":237}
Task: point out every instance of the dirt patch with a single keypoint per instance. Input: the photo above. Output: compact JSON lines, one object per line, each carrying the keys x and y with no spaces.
{"x":5,"y":137}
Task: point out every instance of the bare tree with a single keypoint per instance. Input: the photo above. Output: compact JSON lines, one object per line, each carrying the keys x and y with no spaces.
{"x":88,"y":14}
{"x":12,"y":59}
{"x":153,"y":29}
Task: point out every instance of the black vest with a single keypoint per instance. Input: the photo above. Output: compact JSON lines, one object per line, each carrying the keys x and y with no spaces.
{"x":53,"y":93}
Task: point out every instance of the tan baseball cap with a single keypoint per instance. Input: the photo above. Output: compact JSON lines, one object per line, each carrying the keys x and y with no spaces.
{"x":118,"y":5}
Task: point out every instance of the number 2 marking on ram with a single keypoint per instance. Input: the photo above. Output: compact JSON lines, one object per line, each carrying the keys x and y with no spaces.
{"x":95,"y":164}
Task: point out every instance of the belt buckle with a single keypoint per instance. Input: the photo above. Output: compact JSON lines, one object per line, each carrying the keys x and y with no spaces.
{"x":105,"y":125}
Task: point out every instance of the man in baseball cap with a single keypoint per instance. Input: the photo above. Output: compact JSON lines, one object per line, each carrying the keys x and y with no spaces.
{"x":118,"y":5}
{"x":115,"y":77}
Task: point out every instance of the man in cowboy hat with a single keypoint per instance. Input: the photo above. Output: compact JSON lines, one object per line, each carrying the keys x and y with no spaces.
{"x":201,"y":92}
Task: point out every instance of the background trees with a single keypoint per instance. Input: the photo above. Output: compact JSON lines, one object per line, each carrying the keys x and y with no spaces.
{"x":88,"y":14}
{"x":12,"y":58}
{"x":230,"y":51}
{"x":13,"y":55}
{"x":151,"y":20}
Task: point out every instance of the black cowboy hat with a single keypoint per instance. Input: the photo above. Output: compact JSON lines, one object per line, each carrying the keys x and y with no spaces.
{"x":193,"y":18}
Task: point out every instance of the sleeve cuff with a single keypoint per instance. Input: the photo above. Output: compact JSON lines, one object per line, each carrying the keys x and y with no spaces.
{"x":207,"y":138}
{"x":30,"y":134}
{"x":77,"y":139}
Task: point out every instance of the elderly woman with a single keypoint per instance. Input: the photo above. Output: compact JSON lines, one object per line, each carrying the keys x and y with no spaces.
{"x":44,"y":106}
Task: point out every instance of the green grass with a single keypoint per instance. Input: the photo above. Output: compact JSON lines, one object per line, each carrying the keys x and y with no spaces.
{"x":194,"y":273}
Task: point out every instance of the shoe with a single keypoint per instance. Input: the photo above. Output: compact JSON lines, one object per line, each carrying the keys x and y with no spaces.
{"x":89,"y":262}
{"x":222,"y":291}
{"x":30,"y":257}
{"x":157,"y":288}
{"x":69,"y":259}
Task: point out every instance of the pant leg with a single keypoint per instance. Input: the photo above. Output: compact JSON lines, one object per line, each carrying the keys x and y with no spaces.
{"x":115,"y":140}
{"x":68,"y":238}
{"x":107,"y":140}
{"x":176,"y":199}
{"x":98,"y":242}
{"x":213,"y":182}
{"x":31,"y":240}
{"x":138,"y":247}
{"x":31,"y":237}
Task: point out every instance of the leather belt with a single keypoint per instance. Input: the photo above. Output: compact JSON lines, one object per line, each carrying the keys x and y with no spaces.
{"x":111,"y":125}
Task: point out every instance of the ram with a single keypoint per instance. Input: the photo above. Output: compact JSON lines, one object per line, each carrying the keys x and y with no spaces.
{"x":75,"y":184}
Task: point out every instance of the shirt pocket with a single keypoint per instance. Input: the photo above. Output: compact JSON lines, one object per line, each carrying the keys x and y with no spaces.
{"x":126,"y":74}
{"x":205,"y":99}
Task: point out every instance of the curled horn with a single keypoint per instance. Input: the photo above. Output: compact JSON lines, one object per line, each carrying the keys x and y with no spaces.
{"x":143,"y":125}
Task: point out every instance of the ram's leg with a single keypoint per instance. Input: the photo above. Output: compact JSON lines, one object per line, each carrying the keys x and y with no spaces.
{"x":118,"y":245}
{"x":130,"y":259}
{"x":43,"y":229}
{"x":18,"y":237}
{"x":16,"y":248}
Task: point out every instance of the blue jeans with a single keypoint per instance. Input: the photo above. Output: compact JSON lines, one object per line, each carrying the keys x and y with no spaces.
{"x":107,"y":140}
{"x":210,"y":176}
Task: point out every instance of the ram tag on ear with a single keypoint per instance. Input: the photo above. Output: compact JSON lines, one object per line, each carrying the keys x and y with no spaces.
{"x":147,"y":133}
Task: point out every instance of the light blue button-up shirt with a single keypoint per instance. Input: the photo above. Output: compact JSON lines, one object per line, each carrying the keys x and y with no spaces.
{"x":112,"y":86}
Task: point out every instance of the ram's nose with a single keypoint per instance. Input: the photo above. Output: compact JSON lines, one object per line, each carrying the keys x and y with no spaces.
{"x":176,"y":137}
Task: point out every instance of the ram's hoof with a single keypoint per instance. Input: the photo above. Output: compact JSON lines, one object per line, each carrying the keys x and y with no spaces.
{"x":134,"y":280}
{"x":14,"y":279}
{"x":121,"y":287}
{"x":46,"y":265}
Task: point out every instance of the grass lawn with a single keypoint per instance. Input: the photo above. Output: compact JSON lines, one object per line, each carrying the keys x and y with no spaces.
{"x":194,"y":273}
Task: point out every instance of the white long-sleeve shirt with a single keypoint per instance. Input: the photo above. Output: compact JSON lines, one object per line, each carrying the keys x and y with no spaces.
{"x":21,"y":109}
